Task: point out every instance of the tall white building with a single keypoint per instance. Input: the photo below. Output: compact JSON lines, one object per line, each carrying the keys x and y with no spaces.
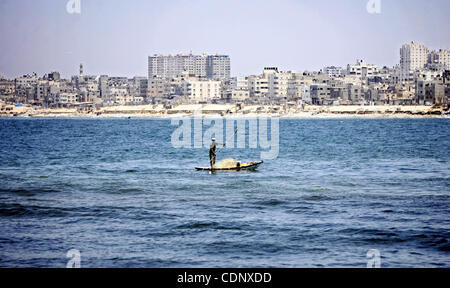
{"x":413,"y":57}
{"x":218,"y":67}
{"x":171,"y":66}
{"x":417,"y":57}
{"x":215,"y":67}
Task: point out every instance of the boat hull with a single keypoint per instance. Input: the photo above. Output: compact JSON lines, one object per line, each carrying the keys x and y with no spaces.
{"x":245,"y":167}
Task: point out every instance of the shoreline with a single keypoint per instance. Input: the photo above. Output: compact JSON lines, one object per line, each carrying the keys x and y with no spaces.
{"x":283,"y":117}
{"x":230,"y":111}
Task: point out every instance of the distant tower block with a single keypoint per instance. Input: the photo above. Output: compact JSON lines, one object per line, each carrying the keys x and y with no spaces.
{"x":81,"y":70}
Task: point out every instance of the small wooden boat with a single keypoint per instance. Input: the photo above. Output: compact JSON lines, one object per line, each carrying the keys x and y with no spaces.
{"x":243,"y":167}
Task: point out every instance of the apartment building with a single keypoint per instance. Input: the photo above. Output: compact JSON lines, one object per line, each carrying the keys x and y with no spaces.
{"x":240,"y":82}
{"x":158,"y":87}
{"x":119,"y":95}
{"x":278,"y":84}
{"x":258,"y":86}
{"x":240,"y":94}
{"x":333,"y":71}
{"x":319,"y":93}
{"x":201,"y":90}
{"x":26,"y":81}
{"x":432,"y":91}
{"x":415,"y":57}
{"x":215,"y":67}
{"x":66,"y":98}
{"x":218,"y":67}
{"x":7,"y":87}
{"x":356,"y":93}
{"x":139,"y":86}
{"x":362,"y":69}
{"x":439,"y":60}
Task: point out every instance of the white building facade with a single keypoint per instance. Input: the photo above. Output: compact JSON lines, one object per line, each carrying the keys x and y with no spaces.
{"x":215,"y":67}
{"x":333,"y":71}
{"x":413,"y":57}
{"x":201,"y":90}
{"x":362,"y":69}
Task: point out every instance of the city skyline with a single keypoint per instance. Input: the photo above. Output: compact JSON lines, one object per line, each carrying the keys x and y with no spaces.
{"x":323,"y":70}
{"x":43,"y":37}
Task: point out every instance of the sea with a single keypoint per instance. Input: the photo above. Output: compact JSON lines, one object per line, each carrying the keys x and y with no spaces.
{"x":340,"y":193}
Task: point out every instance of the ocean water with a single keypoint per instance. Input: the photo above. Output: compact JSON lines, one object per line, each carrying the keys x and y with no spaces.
{"x":117,"y":191}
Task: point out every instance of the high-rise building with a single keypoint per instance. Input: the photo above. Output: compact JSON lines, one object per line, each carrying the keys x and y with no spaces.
{"x":413,"y":57}
{"x":416,"y":57}
{"x":215,"y":67}
{"x":218,"y":67}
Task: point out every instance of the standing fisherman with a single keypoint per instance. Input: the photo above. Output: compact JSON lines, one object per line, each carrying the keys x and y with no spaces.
{"x":212,"y":152}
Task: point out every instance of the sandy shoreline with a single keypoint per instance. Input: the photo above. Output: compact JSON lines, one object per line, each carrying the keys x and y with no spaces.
{"x":231,"y":110}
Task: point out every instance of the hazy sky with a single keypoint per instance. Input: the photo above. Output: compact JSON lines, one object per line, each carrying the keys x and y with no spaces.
{"x":114,"y":37}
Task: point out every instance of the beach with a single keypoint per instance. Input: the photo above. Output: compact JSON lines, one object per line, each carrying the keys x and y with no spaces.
{"x":230,"y":110}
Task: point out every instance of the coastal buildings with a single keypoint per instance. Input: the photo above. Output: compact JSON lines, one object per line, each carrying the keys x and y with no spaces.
{"x":413,"y":57}
{"x":439,"y":60}
{"x":241,"y":82}
{"x":119,"y":95}
{"x":66,"y":99}
{"x":7,"y":90}
{"x":158,"y":89}
{"x":124,"y":91}
{"x":171,"y":66}
{"x":240,"y":94}
{"x":25,"y":87}
{"x":417,"y":57}
{"x":333,"y":71}
{"x":429,"y":91}
{"x":319,"y":93}
{"x":258,"y":86}
{"x":218,"y":67}
{"x":103,"y":87}
{"x":278,"y":83}
{"x":362,"y":70}
{"x":420,"y":78}
{"x":139,"y":89}
{"x":26,"y":81}
{"x":200,"y":90}
{"x":215,"y":67}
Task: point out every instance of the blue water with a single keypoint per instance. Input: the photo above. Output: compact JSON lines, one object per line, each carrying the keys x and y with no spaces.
{"x":117,"y":191}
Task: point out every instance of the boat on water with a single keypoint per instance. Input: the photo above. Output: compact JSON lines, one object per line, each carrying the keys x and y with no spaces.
{"x":250,"y":166}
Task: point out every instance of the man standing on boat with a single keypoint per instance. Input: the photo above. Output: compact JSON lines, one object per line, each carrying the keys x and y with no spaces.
{"x":212,"y":152}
